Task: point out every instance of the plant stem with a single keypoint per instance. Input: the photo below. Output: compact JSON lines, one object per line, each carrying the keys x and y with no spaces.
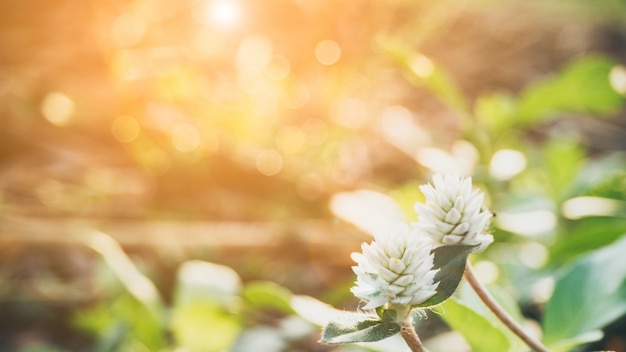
{"x":410,"y":336}
{"x":490,"y":302}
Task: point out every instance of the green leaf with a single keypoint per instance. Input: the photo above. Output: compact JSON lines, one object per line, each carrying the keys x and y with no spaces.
{"x":451,"y":261}
{"x":268,"y":294}
{"x":202,"y":326}
{"x":582,"y":87}
{"x":204,"y":316}
{"x":495,"y":111}
{"x":357,"y":327}
{"x":584,"y":235}
{"x":562,"y":159}
{"x":480,"y":332}
{"x":588,"y":295}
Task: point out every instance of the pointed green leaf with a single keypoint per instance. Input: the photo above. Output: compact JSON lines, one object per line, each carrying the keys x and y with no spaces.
{"x":588,"y":295}
{"x":357,"y":327}
{"x":450,"y":260}
{"x":479,"y":331}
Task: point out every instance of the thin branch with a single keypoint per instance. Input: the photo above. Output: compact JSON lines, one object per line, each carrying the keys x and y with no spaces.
{"x":410,"y":336}
{"x":490,"y":302}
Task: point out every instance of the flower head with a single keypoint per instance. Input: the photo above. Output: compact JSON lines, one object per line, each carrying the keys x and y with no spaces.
{"x":396,"y":269}
{"x":453,"y":212}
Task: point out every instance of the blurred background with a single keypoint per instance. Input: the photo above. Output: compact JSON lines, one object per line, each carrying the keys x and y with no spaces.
{"x":141,"y":140}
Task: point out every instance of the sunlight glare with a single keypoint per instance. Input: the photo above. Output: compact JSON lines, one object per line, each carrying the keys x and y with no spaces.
{"x":221,"y":13}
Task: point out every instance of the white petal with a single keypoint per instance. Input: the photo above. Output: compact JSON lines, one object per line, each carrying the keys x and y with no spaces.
{"x":453,"y":216}
{"x":396,"y":265}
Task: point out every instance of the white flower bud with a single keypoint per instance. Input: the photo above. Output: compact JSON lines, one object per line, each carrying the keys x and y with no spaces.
{"x":396,"y":269}
{"x":452,"y":213}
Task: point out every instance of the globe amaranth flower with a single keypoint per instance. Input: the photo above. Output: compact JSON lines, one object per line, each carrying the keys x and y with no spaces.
{"x":395,"y":269}
{"x":452,"y":213}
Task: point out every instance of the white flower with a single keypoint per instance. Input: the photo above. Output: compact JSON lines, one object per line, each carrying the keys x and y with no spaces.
{"x":453,"y":212}
{"x":396,"y":269}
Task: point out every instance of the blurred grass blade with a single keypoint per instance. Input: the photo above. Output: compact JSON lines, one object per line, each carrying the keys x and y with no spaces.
{"x":133,"y":280}
{"x":422,"y":71}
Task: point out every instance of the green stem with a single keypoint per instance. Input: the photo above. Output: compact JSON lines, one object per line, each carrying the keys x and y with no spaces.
{"x":410,"y":336}
{"x":490,"y":302}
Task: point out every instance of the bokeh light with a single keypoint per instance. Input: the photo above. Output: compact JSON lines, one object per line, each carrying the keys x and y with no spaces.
{"x":185,"y":137}
{"x":327,"y":52}
{"x":506,"y":163}
{"x":57,"y":108}
{"x":269,"y":162}
{"x":125,"y":128}
{"x":617,"y":77}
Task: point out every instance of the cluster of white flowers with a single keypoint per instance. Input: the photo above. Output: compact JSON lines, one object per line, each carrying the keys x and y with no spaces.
{"x":453,"y":212}
{"x":397,"y":267}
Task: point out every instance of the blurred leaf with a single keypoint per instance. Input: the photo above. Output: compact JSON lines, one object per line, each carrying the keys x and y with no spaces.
{"x":587,"y":296}
{"x":604,"y":177}
{"x":371,"y":211}
{"x":206,"y":295}
{"x":313,"y":310}
{"x":268,"y":294}
{"x":480,"y":331}
{"x":468,"y":297}
{"x":122,"y":323}
{"x":582,"y":87}
{"x":584,"y":235}
{"x":451,"y":261}
{"x":495,"y":111}
{"x":204,"y":327}
{"x":562,"y":160}
{"x":260,"y":339}
{"x":357,"y":327}
{"x":207,"y":282}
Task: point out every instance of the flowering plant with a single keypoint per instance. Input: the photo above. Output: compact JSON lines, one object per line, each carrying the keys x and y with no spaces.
{"x":410,"y":267}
